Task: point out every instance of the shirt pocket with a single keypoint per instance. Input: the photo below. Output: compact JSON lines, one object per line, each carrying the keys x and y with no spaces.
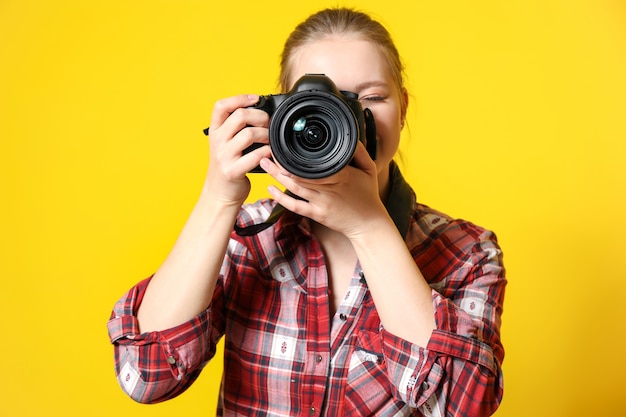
{"x":367,"y":363}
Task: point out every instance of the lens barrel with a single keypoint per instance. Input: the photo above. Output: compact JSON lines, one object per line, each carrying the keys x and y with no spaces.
{"x":313,"y":134}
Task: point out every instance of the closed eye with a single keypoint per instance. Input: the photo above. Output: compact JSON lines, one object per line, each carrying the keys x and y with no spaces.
{"x":372,"y":98}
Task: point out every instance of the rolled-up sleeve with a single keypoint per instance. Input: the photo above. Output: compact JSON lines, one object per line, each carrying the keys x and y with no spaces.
{"x":155,"y":366}
{"x":459,"y":371}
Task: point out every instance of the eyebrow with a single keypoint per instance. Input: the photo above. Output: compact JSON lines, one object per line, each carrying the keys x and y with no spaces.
{"x":369,"y":84}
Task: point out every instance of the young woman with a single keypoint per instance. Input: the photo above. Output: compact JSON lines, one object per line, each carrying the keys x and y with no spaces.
{"x":357,"y":301}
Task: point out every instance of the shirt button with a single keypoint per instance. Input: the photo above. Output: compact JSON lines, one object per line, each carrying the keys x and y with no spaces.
{"x":343,"y":317}
{"x":171,"y":360}
{"x":425,"y":385}
{"x":312,"y":410}
{"x":319,"y":358}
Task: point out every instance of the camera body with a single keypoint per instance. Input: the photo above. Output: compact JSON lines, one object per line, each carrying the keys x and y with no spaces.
{"x":315,"y":128}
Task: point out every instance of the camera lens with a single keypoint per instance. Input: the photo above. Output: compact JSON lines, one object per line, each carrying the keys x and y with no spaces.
{"x":310,"y":133}
{"x":313,"y":134}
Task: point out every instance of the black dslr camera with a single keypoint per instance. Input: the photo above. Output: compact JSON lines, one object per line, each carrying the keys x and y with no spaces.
{"x":315,"y":128}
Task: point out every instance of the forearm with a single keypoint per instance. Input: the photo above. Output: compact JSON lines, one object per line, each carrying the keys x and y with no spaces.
{"x":183,"y":286}
{"x":402,"y":296}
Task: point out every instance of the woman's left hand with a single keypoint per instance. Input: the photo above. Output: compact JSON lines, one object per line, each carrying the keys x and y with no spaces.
{"x":346,"y":202}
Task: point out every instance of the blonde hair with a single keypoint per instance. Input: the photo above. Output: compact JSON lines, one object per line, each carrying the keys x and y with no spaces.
{"x":340,"y":21}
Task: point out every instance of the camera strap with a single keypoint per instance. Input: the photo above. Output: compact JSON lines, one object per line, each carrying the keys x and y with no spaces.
{"x":399,"y":204}
{"x":252,"y":230}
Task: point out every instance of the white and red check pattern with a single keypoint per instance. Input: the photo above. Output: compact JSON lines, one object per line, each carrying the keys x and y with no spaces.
{"x":284,"y":354}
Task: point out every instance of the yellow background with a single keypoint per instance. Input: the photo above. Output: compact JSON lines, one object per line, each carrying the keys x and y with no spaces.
{"x":517,"y":122}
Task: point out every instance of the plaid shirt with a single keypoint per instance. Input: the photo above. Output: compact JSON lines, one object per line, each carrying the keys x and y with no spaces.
{"x":285,"y":355}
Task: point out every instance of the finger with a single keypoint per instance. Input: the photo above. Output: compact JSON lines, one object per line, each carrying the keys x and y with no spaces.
{"x":271,"y":167}
{"x":250,"y":145}
{"x":225,"y":107}
{"x":252,"y":155}
{"x":250,"y":160}
{"x":362,"y":159}
{"x":286,"y":179}
{"x":245,"y":149}
{"x":274,"y":170}
{"x":244,"y":117}
{"x":250,"y":136}
{"x":295,"y":205}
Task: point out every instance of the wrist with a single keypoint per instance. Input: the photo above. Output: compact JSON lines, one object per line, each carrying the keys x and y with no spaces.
{"x":230,"y":195}
{"x":373,"y":231}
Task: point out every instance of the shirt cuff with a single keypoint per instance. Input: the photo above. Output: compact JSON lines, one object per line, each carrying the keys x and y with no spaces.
{"x":182,"y":347}
{"x":409,"y":367}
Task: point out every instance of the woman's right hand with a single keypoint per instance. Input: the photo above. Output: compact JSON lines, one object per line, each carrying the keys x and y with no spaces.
{"x":185,"y":282}
{"x":234,"y":127}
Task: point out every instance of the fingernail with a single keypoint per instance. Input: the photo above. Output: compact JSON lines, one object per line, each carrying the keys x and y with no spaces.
{"x":253,"y":97}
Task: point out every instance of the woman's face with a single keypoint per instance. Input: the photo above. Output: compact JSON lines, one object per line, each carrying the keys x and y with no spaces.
{"x":358,"y":66}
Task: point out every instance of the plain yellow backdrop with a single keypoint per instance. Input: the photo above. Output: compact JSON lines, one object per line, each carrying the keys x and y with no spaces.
{"x":517,"y":122}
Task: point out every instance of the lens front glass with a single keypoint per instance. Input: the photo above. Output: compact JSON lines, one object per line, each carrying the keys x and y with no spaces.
{"x":311,"y":133}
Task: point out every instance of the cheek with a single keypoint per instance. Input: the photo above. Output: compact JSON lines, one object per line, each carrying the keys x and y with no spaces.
{"x":388,"y":133}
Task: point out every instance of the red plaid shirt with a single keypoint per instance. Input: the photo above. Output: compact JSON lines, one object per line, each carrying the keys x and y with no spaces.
{"x":284,"y":354}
